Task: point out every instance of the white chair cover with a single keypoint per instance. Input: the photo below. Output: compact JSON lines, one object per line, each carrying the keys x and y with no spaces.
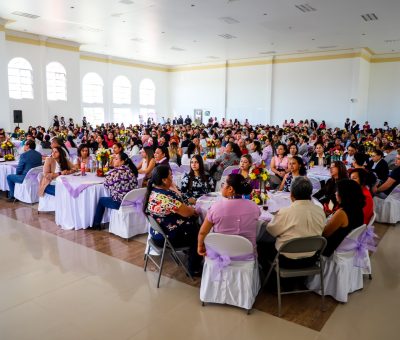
{"x":129,"y":220}
{"x":47,"y":202}
{"x":388,"y":209}
{"x":28,"y":190}
{"x":227,"y":171}
{"x":341,"y":276}
{"x":316,"y":184}
{"x":136,"y":159}
{"x":238,"y":283}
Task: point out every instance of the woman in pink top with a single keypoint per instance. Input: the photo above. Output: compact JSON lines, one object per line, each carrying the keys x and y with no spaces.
{"x":234,"y":215}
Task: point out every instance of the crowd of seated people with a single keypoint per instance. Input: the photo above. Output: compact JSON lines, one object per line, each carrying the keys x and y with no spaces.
{"x":361,"y":163}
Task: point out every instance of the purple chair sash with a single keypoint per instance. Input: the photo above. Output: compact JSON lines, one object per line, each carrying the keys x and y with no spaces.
{"x":74,"y":192}
{"x":31,"y":176}
{"x":137,"y":205}
{"x":360,"y":246}
{"x":223,"y":261}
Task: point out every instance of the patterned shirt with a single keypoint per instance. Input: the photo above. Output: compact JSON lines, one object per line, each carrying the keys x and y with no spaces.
{"x":119,"y":181}
{"x":199,"y":187}
{"x":163,"y":206}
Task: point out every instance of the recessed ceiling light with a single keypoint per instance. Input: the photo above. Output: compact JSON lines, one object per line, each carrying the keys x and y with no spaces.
{"x":72,"y":7}
{"x":192,"y":5}
{"x":369,"y":17}
{"x":116,"y":15}
{"x":363,"y":34}
{"x":265,"y":14}
{"x":26,"y":15}
{"x":313,"y":39}
{"x":227,"y":36}
{"x":174,"y":48}
{"x":162,"y":32}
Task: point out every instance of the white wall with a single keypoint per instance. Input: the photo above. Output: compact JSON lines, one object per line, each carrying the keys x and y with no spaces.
{"x":5,"y":114}
{"x":384,"y":94}
{"x":198,"y":89}
{"x":249,"y":93}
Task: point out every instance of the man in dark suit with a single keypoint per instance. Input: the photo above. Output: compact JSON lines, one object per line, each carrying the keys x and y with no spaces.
{"x":188,"y":121}
{"x":347,"y":124}
{"x":354,"y":127}
{"x":28,"y":160}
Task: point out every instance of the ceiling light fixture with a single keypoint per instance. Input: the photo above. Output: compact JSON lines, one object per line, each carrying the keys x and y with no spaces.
{"x":305,"y":8}
{"x":369,"y":17}
{"x":229,"y":20}
{"x":26,"y":15}
{"x":227,"y":36}
{"x":174,"y":48}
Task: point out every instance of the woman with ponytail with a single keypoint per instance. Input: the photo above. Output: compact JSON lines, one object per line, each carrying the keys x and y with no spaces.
{"x":177,"y":219}
{"x":234,"y":216}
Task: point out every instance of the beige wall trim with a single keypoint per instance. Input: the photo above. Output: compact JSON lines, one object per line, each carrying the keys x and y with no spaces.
{"x":35,"y":42}
{"x":123,"y":63}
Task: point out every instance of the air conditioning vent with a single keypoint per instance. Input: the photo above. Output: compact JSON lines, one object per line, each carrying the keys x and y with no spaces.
{"x":326,"y":47}
{"x":227,"y":36}
{"x":369,"y":17}
{"x":138,"y":40}
{"x":268,"y":52}
{"x":26,"y":15}
{"x":391,"y":41}
{"x":305,"y":8}
{"x":126,"y":2}
{"x":229,"y":20}
{"x":90,"y":29}
{"x":212,"y":57}
{"x":174,"y":48}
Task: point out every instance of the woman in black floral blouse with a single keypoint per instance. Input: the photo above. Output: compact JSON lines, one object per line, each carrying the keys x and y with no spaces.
{"x":196,"y":183}
{"x":178,"y":220}
{"x":119,"y":181}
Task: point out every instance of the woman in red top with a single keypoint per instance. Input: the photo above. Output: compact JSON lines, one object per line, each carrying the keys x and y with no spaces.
{"x":110,"y":139}
{"x":360,"y":176}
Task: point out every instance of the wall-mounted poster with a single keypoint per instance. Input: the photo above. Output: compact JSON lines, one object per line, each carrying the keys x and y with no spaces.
{"x":198,"y":116}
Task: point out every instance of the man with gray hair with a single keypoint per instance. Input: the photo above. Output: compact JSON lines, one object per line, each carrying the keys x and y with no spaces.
{"x":302,"y":218}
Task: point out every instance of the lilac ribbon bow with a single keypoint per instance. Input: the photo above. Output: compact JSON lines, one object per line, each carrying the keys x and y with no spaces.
{"x":369,"y":236}
{"x":223,"y":261}
{"x":31,"y":176}
{"x":137,"y":205}
{"x":74,"y":192}
{"x":360,"y":246}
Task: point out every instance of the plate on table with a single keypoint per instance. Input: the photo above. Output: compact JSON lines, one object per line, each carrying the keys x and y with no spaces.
{"x":2,"y":160}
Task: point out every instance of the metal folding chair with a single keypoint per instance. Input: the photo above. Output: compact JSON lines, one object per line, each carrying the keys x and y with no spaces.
{"x":167,"y":248}
{"x":299,"y":245}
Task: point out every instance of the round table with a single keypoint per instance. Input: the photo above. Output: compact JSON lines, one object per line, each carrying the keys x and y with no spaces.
{"x":7,"y":168}
{"x":319,"y":172}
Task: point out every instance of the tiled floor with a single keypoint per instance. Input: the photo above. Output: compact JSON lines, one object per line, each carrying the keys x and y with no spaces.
{"x":52,"y":288}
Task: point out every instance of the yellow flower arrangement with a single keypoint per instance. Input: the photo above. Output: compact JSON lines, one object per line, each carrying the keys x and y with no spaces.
{"x":259,"y":172}
{"x":258,"y":197}
{"x":103,"y":154}
{"x":9,"y":157}
{"x":7,"y":145}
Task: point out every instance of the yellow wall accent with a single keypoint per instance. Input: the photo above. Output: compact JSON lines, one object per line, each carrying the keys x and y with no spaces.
{"x":2,"y":28}
{"x":22,"y":40}
{"x":123,"y":63}
{"x":35,"y":42}
{"x":385,"y":60}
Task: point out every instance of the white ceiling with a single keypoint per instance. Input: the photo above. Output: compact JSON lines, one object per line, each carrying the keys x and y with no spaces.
{"x":163,"y":27}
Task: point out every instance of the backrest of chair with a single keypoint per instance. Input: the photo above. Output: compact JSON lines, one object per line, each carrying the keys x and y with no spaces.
{"x":174,"y":166}
{"x":228,"y":170}
{"x":395,"y":193}
{"x":46,"y":152}
{"x":304,"y":245}
{"x":33,"y":173}
{"x":355,"y":233}
{"x":134,"y":195}
{"x":372,"y":219}
{"x":184,"y":169}
{"x":155,"y":226}
{"x":136,"y":159}
{"x":184,"y":150}
{"x":232,"y":245}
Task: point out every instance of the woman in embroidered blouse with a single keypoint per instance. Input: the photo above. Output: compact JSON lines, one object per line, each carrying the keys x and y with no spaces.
{"x":177,"y":219}
{"x":319,"y":158}
{"x":119,"y":181}
{"x":234,"y":216}
{"x":296,"y":168}
{"x":231,"y":156}
{"x":148,"y":162}
{"x":54,"y":166}
{"x":196,"y":183}
{"x":256,"y":152}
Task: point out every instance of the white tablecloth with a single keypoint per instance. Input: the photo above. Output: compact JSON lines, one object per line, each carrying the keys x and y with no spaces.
{"x":319,"y":172}
{"x":78,"y":213}
{"x":6,"y":168}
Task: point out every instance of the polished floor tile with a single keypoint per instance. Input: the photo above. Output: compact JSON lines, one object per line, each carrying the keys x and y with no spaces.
{"x":54,"y":288}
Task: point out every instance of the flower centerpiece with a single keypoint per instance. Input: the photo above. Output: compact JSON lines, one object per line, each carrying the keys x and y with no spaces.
{"x":336,"y":155}
{"x":212,"y":151}
{"x":259,"y":172}
{"x":21,"y":134}
{"x":123,"y":137}
{"x":8,"y":150}
{"x":259,"y":197}
{"x":102,"y":157}
{"x":369,"y":147}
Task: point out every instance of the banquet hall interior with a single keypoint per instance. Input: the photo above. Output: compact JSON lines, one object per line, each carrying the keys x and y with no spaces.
{"x":149,"y":62}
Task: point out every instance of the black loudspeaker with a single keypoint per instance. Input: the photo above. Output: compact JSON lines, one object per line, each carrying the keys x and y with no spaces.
{"x":17,"y":116}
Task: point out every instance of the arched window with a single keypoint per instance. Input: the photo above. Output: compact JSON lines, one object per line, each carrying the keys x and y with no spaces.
{"x":147,"y":92}
{"x":92,"y":93}
{"x":56,"y":81}
{"x":122,"y":90}
{"x":92,"y":88}
{"x":20,"y":82}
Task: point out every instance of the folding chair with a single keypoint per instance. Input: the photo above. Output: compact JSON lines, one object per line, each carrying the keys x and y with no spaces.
{"x":227,"y":171}
{"x":315,"y":244}
{"x":168,"y":247}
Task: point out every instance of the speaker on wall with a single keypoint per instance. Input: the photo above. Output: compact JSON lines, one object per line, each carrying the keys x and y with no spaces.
{"x":17,"y":116}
